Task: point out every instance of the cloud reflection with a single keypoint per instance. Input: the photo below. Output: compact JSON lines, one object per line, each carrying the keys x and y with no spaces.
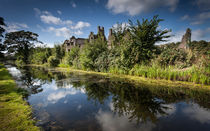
{"x":61,"y":93}
{"x":111,"y":122}
{"x":198,"y":113}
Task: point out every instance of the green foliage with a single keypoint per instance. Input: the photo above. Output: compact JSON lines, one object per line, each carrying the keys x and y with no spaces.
{"x":172,"y":57}
{"x":90,"y":52}
{"x":137,"y":42}
{"x":39,"y":55}
{"x":200,"y":47}
{"x":20,"y":42}
{"x":193,"y":74}
{"x":143,"y":38}
{"x":53,"y":61}
{"x":59,"y":52}
{"x":134,"y":52}
{"x":102,"y":62}
{"x":73,"y":55}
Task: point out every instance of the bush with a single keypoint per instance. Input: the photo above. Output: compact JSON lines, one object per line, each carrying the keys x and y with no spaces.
{"x":90,"y":53}
{"x":175,"y":57}
{"x":52,"y":61}
{"x":72,"y":55}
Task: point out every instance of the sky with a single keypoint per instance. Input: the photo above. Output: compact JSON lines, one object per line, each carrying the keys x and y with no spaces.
{"x":57,"y":20}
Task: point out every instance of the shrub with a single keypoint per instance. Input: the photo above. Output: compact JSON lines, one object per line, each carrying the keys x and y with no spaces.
{"x":72,"y":55}
{"x":90,"y":53}
{"x":173,"y":57}
{"x":52,"y":61}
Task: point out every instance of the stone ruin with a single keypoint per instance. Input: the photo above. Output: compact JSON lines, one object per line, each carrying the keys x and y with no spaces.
{"x":186,"y":39}
{"x":73,"y":41}
{"x":111,"y":38}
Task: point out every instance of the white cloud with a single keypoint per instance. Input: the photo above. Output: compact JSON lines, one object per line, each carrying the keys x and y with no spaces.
{"x":185,"y":17}
{"x":198,"y":34}
{"x":123,"y":25}
{"x":201,"y":34}
{"x":81,"y":25}
{"x":96,"y":1}
{"x":12,"y":27}
{"x":48,"y":18}
{"x":134,"y":7}
{"x":64,"y":28}
{"x":59,"y":12}
{"x":203,"y":4}
{"x":69,"y":90}
{"x":201,"y":18}
{"x":54,"y":97}
{"x":63,"y":31}
{"x":79,"y":32}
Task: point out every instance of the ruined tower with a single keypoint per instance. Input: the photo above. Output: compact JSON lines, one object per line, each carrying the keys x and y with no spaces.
{"x":110,"y":38}
{"x":100,"y":34}
{"x":186,"y":39}
{"x":101,"y":31}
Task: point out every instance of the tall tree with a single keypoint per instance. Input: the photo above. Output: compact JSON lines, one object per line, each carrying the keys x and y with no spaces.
{"x":20,"y":43}
{"x":2,"y":30}
{"x":139,"y":45}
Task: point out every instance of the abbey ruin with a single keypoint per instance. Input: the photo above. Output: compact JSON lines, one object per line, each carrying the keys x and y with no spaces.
{"x":73,"y":41}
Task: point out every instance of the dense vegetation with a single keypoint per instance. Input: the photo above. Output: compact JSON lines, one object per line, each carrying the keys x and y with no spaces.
{"x":15,"y":113}
{"x":133,"y":52}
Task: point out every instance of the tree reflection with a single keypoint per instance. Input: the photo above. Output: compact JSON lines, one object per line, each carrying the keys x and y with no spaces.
{"x":33,"y":79}
{"x":140,"y":103}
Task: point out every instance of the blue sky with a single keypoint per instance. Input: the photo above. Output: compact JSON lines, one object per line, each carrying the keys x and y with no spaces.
{"x":57,"y":20}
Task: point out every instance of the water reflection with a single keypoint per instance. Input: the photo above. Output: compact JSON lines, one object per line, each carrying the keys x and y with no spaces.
{"x":75,"y":101}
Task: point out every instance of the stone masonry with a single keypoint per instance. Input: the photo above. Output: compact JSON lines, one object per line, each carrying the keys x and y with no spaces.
{"x":81,"y":41}
{"x":186,"y":39}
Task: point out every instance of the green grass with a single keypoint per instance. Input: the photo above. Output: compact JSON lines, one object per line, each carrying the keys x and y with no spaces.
{"x":15,"y":113}
{"x":194,"y":74}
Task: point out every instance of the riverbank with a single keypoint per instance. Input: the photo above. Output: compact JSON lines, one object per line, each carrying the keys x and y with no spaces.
{"x":15,"y":113}
{"x":138,"y":79}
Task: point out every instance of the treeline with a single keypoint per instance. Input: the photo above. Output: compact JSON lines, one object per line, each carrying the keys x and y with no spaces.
{"x":133,"y":51}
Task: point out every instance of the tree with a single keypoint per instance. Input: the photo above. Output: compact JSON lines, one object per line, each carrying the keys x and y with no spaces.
{"x":144,"y":36}
{"x":20,"y":43}
{"x":73,"y":55}
{"x":90,"y":52}
{"x":138,"y":44}
{"x":59,"y":52}
{"x":2,"y":30}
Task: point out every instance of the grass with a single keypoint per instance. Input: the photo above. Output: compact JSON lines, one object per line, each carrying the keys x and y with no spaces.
{"x":15,"y":113}
{"x":194,"y":74}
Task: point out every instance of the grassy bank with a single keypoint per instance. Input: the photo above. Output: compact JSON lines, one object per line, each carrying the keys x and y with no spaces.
{"x":15,"y":113}
{"x":192,"y":74}
{"x":139,"y":79}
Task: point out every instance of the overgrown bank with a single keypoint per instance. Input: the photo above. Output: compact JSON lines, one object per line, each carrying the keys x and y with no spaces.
{"x":15,"y":113}
{"x":133,"y":50}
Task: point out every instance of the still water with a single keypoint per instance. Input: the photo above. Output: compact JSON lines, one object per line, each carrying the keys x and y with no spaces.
{"x":75,"y":101}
